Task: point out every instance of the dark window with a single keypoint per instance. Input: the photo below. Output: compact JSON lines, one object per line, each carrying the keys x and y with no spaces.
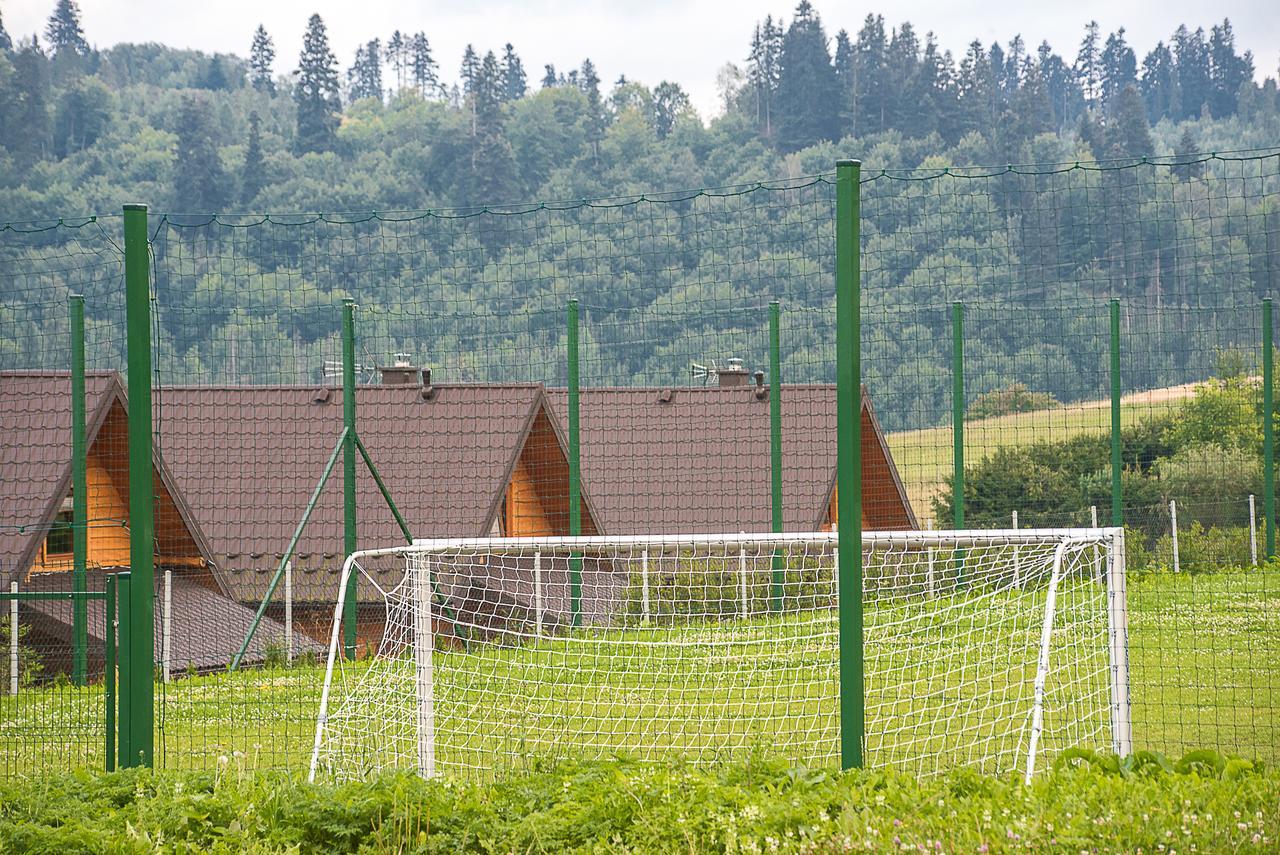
{"x":60,"y":540}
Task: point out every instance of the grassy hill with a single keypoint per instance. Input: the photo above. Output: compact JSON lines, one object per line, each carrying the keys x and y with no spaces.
{"x":923,"y":456}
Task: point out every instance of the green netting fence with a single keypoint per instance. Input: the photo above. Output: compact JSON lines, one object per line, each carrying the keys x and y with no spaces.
{"x":329,"y":382}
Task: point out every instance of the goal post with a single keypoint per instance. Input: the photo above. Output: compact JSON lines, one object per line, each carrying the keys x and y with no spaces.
{"x":679,"y":650}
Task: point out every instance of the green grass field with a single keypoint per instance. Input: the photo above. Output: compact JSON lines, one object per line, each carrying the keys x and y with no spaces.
{"x":923,"y":457}
{"x":1204,"y":669}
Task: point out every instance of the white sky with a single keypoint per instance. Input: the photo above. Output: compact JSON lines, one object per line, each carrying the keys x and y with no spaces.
{"x":682,"y":40}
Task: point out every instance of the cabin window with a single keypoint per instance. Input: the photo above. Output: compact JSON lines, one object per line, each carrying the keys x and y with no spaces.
{"x":61,"y":541}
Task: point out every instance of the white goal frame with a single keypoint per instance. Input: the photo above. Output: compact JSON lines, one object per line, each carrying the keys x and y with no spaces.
{"x":418,"y":557}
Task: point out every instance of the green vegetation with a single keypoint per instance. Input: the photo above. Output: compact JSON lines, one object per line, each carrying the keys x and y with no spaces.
{"x":1014,"y":398}
{"x":1203,"y":802}
{"x":1204,"y":666}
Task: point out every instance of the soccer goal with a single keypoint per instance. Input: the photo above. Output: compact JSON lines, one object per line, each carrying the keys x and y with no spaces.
{"x":982,"y":649}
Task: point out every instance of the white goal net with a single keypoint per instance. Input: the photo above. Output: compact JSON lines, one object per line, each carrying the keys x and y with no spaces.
{"x":981,"y":649}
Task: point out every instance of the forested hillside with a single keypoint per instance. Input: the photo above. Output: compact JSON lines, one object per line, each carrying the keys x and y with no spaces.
{"x":396,"y":128}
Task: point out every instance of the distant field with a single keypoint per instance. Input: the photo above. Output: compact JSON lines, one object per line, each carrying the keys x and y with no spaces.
{"x":1204,"y":669}
{"x":923,"y":457}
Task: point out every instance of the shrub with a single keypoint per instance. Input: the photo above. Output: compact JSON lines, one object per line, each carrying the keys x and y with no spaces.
{"x":1014,"y":398}
{"x":1211,"y":483}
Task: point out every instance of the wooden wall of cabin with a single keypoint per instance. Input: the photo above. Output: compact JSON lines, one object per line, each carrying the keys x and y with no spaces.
{"x":883,"y":504}
{"x":537,"y":498}
{"x":107,"y":474}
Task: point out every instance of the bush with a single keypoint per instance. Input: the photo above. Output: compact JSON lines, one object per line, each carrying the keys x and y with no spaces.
{"x":1085,"y":802}
{"x":1203,"y":549}
{"x":1211,"y":483}
{"x":1014,"y":398}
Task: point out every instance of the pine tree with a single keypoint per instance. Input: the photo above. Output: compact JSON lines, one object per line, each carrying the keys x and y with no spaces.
{"x":253,"y":175}
{"x":1191,"y":55}
{"x":1119,"y":67}
{"x":200,"y":185}
{"x":364,"y":78}
{"x":316,"y":93}
{"x":262,"y":55}
{"x":589,"y":82}
{"x":808,"y":96}
{"x":871,"y":86}
{"x":1186,"y":157}
{"x":1227,"y":70}
{"x":1088,"y":66}
{"x":396,"y":50}
{"x":423,"y":65}
{"x":514,"y":81}
{"x":1159,"y":83}
{"x":64,"y":32}
{"x":669,"y":103}
{"x":764,"y":66}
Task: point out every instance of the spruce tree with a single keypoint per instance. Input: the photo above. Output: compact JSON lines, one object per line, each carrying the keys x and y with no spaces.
{"x":808,"y":97}
{"x":514,"y":81}
{"x":846,"y":81}
{"x":902,"y":76}
{"x":29,"y":130}
{"x":1088,"y":66}
{"x":1128,"y":135}
{"x":262,"y":54}
{"x":1186,"y":157}
{"x":492,"y":158}
{"x":364,"y":78}
{"x":200,"y":185}
{"x":549,"y":79}
{"x":1192,"y":57}
{"x":1064,"y":92}
{"x":316,"y":92}
{"x":253,"y":174}
{"x":64,"y":32}
{"x":974,"y":85}
{"x":764,"y":65}
{"x":589,"y":81}
{"x":871,"y":75}
{"x":423,"y":65}
{"x":397,"y":48}
{"x":1119,"y":68}
{"x":1159,"y":83}
{"x":1227,"y":70}
{"x":6,"y":43}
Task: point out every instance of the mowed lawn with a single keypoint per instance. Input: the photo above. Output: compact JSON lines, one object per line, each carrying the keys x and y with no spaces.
{"x":924,"y":457}
{"x":949,"y":682}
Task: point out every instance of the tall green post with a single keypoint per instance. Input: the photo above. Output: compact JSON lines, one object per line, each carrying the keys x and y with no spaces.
{"x":1268,"y":430}
{"x":575,"y":469}
{"x":350,"y":606}
{"x":849,"y":462}
{"x":79,"y":499}
{"x":957,"y":412}
{"x":1117,"y":463}
{"x":141,"y":642}
{"x":775,"y":442}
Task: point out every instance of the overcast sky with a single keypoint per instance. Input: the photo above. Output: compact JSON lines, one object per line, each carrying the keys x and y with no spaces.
{"x":651,"y":40}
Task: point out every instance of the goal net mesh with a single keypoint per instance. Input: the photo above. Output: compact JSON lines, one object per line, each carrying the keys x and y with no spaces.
{"x":496,"y":654}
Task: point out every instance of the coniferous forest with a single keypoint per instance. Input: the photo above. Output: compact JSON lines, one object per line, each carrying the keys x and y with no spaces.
{"x":84,"y":130}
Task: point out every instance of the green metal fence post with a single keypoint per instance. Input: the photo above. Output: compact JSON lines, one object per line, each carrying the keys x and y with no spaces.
{"x":575,"y":468}
{"x":141,"y":685}
{"x":1117,"y":496}
{"x":124,"y":699}
{"x":849,"y":462}
{"x":79,"y":498}
{"x":1268,"y":430}
{"x":957,"y":412}
{"x":109,"y":671}
{"x":775,"y":442}
{"x":349,"y":532}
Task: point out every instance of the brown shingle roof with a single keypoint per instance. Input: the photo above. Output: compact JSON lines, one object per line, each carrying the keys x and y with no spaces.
{"x":699,"y":461}
{"x":248,"y":458}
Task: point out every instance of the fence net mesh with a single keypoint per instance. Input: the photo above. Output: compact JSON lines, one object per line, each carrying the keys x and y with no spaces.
{"x":674,"y":295}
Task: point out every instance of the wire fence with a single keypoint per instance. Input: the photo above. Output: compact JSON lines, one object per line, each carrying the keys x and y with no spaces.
{"x":659,"y":364}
